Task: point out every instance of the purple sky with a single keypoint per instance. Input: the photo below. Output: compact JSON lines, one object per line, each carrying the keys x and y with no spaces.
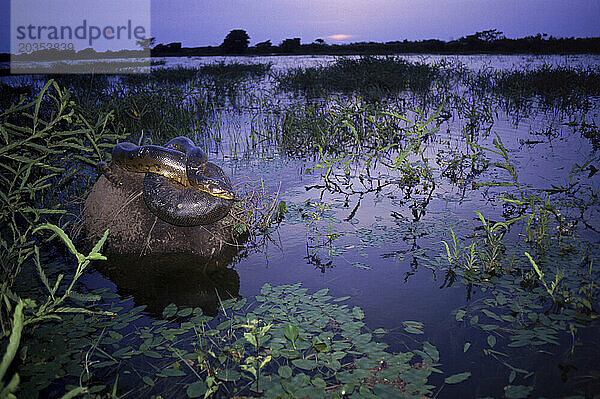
{"x":207,"y":22}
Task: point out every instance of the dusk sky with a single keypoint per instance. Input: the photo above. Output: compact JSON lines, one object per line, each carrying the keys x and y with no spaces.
{"x":207,"y":22}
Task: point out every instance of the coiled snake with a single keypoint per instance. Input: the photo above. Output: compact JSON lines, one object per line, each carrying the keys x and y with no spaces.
{"x":181,"y":187}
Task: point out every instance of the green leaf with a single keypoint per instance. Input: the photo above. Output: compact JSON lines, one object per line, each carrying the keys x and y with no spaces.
{"x":358,"y":313}
{"x":466,"y":347}
{"x":291,"y":332}
{"x":13,"y":342}
{"x":361,"y":265}
{"x":96,"y":257}
{"x":285,"y":371}
{"x":501,"y":299}
{"x":304,"y":364}
{"x":491,"y":340}
{"x":153,"y":354}
{"x":341,"y":299}
{"x":229,"y":375}
{"x":535,"y":266}
{"x":431,"y":351}
{"x":491,"y":314}
{"x":196,"y":389}
{"x":148,"y":380}
{"x":251,"y":339}
{"x":319,"y":382}
{"x":456,"y":378}
{"x":72,"y":393}
{"x":319,"y":344}
{"x":64,"y":237}
{"x":170,"y":310}
{"x":171,"y":372}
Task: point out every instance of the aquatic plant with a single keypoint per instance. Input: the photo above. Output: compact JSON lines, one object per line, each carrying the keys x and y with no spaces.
{"x":46,"y":149}
{"x":287,"y":343}
{"x":551,"y":86}
{"x":235,"y":70}
{"x":373,"y":77}
{"x":365,"y":151}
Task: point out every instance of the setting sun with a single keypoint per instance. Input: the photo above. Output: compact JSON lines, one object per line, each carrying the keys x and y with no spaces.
{"x":340,"y":36}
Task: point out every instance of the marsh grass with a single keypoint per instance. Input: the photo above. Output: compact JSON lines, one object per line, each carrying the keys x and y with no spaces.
{"x":235,"y":70}
{"x":377,"y":79}
{"x":46,"y":144}
{"x":374,"y":78}
{"x":221,"y":71}
{"x":338,"y":126}
{"x":165,"y":102}
{"x":88,"y":67}
{"x":561,"y":86}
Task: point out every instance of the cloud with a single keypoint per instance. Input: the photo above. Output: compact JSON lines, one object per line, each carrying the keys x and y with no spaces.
{"x":340,"y":36}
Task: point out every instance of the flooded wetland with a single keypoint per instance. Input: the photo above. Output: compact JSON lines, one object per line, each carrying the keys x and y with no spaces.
{"x":413,"y":226}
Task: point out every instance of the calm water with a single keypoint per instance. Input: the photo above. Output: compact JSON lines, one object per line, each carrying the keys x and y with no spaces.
{"x":381,"y":260}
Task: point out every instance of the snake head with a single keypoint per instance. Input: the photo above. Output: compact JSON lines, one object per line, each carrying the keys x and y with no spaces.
{"x":216,"y":189}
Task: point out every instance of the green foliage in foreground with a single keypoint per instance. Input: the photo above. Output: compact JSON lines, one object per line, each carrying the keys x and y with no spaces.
{"x":288,"y":344}
{"x":46,"y":146}
{"x":29,"y":313}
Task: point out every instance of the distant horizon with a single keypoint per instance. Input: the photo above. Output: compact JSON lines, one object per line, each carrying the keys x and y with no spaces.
{"x":276,"y":43}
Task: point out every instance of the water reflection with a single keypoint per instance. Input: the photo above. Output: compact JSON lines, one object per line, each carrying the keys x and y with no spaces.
{"x":185,"y":280}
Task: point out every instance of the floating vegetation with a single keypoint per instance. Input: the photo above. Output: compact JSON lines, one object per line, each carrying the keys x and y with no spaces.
{"x":288,"y":342}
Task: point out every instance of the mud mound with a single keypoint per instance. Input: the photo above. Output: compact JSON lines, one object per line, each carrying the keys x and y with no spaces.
{"x":135,"y":230}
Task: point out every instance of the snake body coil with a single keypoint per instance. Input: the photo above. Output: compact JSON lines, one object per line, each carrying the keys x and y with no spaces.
{"x":181,"y":187}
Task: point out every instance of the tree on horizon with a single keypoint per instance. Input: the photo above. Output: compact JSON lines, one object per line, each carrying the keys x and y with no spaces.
{"x":236,"y":41}
{"x":290,"y":45}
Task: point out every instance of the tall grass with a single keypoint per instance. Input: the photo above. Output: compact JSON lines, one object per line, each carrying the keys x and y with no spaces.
{"x":45,"y":146}
{"x":372,"y":77}
{"x":235,"y":70}
{"x":562,"y":86}
{"x":166,"y":102}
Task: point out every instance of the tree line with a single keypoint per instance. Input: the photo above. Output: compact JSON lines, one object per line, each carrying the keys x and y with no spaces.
{"x":489,"y":41}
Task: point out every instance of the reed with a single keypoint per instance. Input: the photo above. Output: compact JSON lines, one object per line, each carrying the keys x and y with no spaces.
{"x":235,"y":70}
{"x":372,"y":77}
{"x":562,"y":86}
